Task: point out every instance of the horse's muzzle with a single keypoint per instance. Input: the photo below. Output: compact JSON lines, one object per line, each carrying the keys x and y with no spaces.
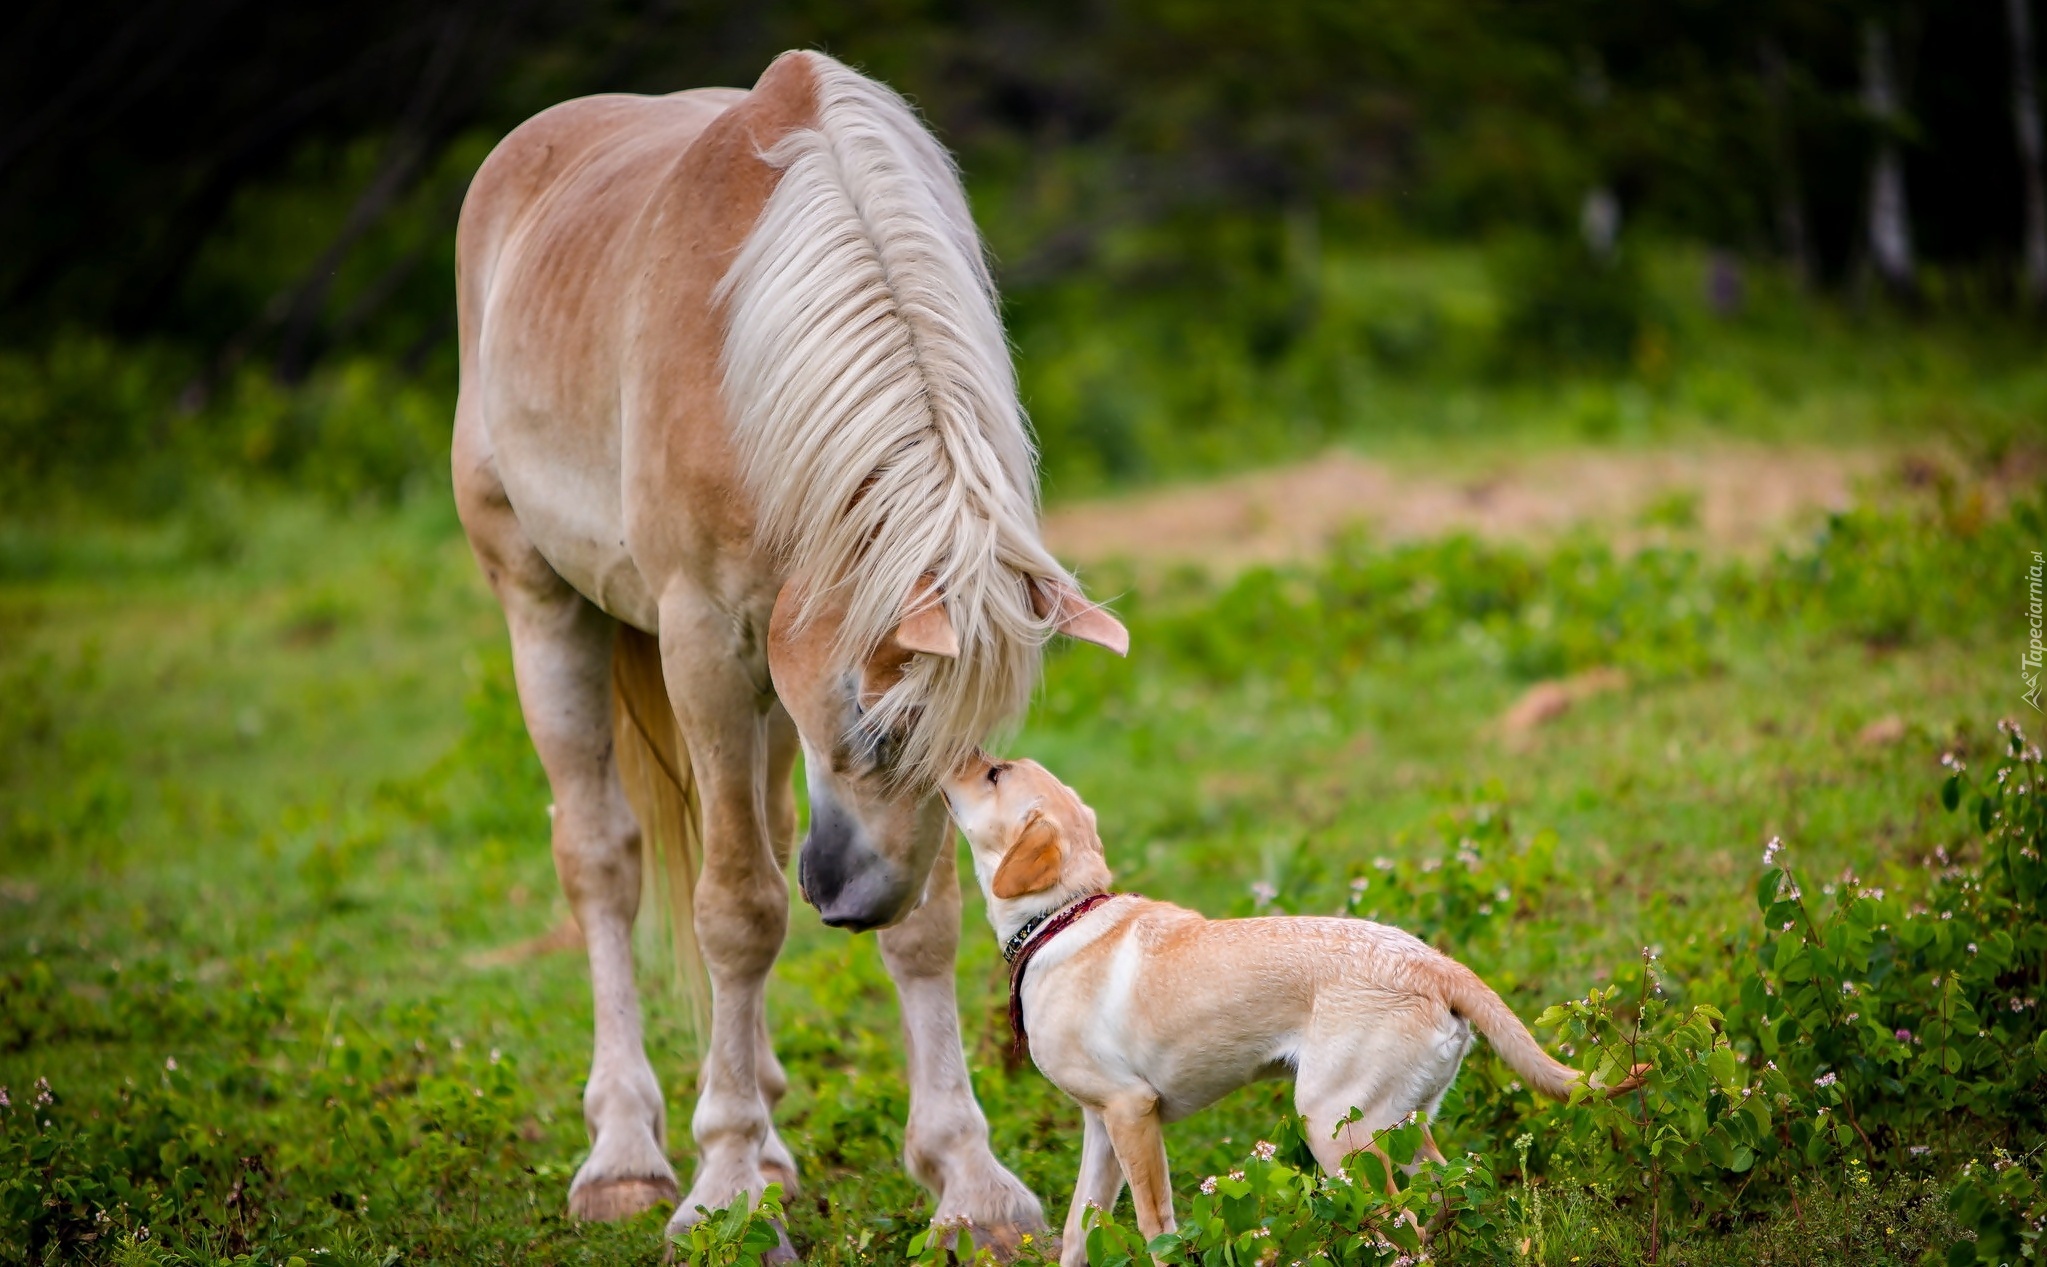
{"x":851,"y":885}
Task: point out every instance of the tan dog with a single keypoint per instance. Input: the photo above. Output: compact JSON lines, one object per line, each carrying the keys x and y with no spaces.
{"x":1144,"y":1012}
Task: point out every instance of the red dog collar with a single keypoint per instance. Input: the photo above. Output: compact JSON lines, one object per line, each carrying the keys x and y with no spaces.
{"x":1019,"y":1042}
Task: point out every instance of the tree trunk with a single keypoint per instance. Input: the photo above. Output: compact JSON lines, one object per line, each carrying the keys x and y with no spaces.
{"x":1890,"y":225}
{"x":407,"y":156}
{"x":1792,"y":236}
{"x":2025,"y":112}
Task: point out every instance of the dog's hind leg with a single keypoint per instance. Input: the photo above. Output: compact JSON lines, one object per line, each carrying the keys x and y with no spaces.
{"x":1429,"y":1149}
{"x":1326,"y":1099}
{"x":1344,"y":1110}
{"x":1133,"y":1125}
{"x":1100,"y":1183}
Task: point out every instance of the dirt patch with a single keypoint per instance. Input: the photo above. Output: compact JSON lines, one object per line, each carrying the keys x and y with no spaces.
{"x":1544,"y":702}
{"x":1731,"y":498}
{"x":564,"y":936}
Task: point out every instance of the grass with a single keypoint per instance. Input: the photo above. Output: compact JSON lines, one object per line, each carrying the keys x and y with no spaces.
{"x":265,"y":804}
{"x":261,"y":811}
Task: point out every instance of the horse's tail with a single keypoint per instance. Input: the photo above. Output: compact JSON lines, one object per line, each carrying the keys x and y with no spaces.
{"x":653,"y":763}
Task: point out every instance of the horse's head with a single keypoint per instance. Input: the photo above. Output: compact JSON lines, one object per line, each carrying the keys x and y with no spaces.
{"x":876,"y":820}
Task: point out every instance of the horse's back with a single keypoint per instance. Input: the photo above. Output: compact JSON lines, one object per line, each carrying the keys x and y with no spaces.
{"x":547,"y":253}
{"x":575,"y":165}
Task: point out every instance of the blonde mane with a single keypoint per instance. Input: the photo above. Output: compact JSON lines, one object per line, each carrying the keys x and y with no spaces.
{"x":875,"y":412}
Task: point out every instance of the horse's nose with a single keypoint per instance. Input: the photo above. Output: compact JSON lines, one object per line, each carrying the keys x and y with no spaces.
{"x":851,"y":885}
{"x":868,"y":897}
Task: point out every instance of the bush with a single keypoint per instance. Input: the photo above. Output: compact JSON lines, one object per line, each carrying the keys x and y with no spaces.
{"x":1564,"y":309}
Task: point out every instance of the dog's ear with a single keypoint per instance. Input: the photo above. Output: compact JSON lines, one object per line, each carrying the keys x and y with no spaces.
{"x":1032,"y":863}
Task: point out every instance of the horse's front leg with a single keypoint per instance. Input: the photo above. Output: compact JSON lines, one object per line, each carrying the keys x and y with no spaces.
{"x":946,"y":1143}
{"x":742,"y":904}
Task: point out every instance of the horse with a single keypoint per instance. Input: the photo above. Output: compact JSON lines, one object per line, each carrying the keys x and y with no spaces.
{"x":738,"y":448}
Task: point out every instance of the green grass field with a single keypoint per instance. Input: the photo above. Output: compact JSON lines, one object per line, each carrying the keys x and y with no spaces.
{"x":266,"y":809}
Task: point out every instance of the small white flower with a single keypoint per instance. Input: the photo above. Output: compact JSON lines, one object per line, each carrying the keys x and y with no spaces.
{"x":1263,"y":893}
{"x":1771,"y":850}
{"x":1264,"y":1150}
{"x":170,"y":1063}
{"x":1826,"y":1079}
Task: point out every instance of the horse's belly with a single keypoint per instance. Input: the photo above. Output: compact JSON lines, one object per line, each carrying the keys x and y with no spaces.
{"x":569,"y":507}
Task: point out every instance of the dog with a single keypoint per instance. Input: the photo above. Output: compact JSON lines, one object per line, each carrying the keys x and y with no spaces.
{"x":1144,"y":1012}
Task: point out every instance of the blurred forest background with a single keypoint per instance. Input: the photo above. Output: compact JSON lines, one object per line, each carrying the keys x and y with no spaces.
{"x":1224,"y":231}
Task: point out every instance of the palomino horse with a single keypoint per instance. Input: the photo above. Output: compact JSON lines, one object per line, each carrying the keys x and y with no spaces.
{"x":739,"y":450}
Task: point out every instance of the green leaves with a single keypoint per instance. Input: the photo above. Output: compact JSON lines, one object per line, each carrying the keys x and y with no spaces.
{"x":740,"y":1235}
{"x":1268,"y":1210}
{"x":2004,"y":1203}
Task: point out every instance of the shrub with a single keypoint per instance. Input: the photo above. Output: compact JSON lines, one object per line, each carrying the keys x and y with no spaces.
{"x":1563,"y":308}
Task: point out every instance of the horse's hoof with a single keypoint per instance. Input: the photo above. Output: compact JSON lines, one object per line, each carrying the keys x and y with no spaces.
{"x":608,"y":1200}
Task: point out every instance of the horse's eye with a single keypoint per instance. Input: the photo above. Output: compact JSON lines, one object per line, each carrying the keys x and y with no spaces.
{"x":882,"y":751}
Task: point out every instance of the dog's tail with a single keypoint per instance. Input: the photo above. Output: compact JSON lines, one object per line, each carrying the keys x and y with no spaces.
{"x":1475,"y":1001}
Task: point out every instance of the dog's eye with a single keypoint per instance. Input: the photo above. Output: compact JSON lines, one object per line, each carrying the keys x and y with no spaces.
{"x":995,"y":773}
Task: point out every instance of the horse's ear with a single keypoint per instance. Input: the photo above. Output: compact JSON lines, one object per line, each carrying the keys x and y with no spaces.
{"x":1077,"y":617}
{"x":925,"y":626}
{"x":1032,"y":863}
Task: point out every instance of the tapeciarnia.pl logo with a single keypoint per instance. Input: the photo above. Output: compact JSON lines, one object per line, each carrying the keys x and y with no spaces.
{"x":2029,"y":663}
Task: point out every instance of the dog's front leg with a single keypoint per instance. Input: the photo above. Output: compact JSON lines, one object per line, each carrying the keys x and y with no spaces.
{"x":1134,"y":1131}
{"x":1100,"y":1183}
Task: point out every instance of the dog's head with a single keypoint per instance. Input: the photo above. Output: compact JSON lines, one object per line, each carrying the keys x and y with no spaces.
{"x":1033,"y":838}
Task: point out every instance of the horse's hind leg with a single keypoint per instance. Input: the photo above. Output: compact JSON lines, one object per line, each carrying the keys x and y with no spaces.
{"x":561,"y":657}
